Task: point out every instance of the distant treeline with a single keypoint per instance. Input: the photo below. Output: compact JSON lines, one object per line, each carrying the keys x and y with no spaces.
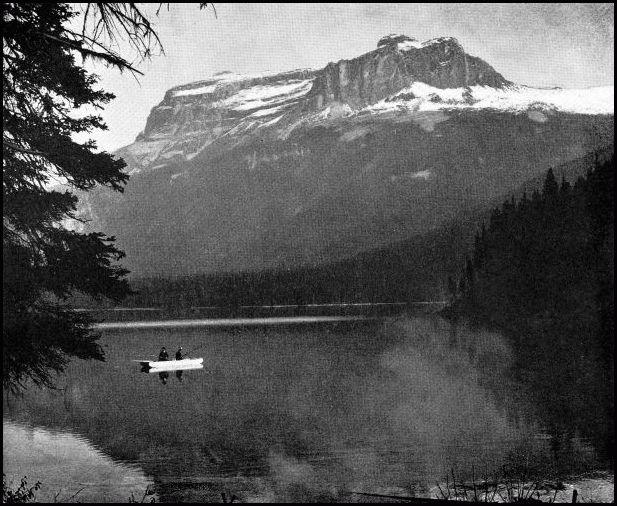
{"x":405,"y":272}
{"x":410,"y":270}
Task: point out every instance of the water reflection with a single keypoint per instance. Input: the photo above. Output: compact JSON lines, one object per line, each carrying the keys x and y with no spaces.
{"x":68,"y":466}
{"x":178,"y":372}
{"x":305,"y":414}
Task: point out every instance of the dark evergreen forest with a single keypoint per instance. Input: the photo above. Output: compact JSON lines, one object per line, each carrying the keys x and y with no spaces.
{"x":411,"y":270}
{"x":542,"y":271}
{"x":550,"y":254}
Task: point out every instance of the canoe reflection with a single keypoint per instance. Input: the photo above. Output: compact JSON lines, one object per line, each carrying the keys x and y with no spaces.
{"x":164,"y":375}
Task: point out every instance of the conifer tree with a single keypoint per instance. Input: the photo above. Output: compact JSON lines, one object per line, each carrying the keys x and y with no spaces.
{"x":551,"y":188}
{"x":44,"y":84}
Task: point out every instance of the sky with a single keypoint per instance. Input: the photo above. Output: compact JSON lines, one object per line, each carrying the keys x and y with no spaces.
{"x":567,"y":45}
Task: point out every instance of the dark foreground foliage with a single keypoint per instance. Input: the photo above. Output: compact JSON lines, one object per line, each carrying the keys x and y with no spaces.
{"x":43,"y":84}
{"x":21,"y":494}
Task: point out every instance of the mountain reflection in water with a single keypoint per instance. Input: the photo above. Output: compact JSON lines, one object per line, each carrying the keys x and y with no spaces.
{"x":311,"y":413}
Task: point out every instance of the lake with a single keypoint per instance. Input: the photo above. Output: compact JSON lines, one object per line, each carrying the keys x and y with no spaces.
{"x":304,"y":412}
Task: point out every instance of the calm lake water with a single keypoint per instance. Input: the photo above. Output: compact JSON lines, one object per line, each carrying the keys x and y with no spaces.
{"x":304,"y":412}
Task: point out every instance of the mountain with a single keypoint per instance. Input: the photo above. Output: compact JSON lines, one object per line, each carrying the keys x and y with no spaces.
{"x":308,"y":166}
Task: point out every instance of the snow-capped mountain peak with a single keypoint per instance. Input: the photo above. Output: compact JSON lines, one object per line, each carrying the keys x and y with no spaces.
{"x":308,"y":166}
{"x":402,"y":77}
{"x":405,"y":43}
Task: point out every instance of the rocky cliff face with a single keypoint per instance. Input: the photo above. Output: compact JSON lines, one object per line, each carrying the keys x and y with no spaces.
{"x":398,"y":62}
{"x":278,"y":169}
{"x":193,"y":116}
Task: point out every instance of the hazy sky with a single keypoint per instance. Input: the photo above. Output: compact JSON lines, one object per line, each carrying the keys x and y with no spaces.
{"x":568,"y":45}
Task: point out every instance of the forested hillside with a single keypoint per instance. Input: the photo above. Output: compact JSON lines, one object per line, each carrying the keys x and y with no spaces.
{"x":542,"y":271}
{"x":545,"y":255}
{"x":407,"y":271}
{"x":416,"y":269}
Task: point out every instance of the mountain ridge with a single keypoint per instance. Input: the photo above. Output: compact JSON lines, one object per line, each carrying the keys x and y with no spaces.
{"x":235,"y":173}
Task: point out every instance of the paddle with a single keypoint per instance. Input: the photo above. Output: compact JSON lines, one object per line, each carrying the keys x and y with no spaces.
{"x":192,"y":350}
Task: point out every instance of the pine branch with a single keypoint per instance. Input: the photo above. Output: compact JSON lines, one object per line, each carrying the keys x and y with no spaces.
{"x":108,"y":56}
{"x":15,"y":147}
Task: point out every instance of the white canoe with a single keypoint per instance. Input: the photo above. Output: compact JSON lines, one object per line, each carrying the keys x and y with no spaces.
{"x":162,"y":370}
{"x":172,"y":365}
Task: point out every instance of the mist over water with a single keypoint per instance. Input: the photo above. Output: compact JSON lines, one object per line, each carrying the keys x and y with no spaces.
{"x":305,"y":413}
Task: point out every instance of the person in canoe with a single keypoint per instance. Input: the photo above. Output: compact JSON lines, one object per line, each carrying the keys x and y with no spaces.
{"x":163,"y":354}
{"x":179,"y":354}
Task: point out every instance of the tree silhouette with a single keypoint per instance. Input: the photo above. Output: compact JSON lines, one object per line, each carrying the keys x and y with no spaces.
{"x":550,"y":188}
{"x":44,"y":262}
{"x":550,"y":255}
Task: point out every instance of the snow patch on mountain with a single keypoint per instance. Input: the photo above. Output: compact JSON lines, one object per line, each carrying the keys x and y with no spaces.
{"x":439,"y":40}
{"x":422,"y":174}
{"x":405,"y":43}
{"x":334,"y":111}
{"x":267,"y":112}
{"x":221,"y":80}
{"x":415,"y":44}
{"x":516,"y":98}
{"x":197,"y":91}
{"x":408,"y":44}
{"x":172,"y":153}
{"x":265,"y":95}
